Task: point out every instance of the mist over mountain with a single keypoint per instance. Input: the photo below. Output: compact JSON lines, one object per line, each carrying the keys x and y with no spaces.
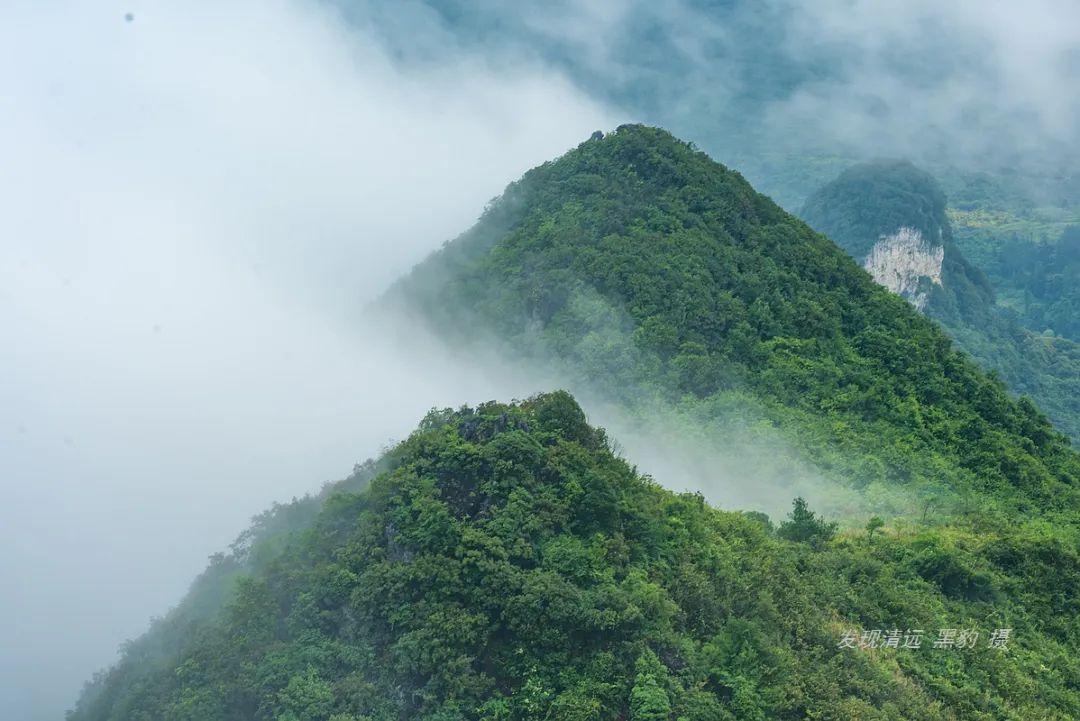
{"x":652,"y":271}
{"x":790,"y":92}
{"x":195,"y":205}
{"x":205,"y":203}
{"x":504,"y":563}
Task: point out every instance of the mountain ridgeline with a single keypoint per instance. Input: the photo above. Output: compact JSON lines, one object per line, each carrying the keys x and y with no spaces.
{"x":891,"y":217}
{"x":504,"y":563}
{"x":648,"y":270}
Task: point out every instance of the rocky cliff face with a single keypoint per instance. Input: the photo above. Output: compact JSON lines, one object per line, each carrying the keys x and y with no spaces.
{"x":902,"y":261}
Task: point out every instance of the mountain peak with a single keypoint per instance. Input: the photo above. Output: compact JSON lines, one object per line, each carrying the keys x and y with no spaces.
{"x":504,"y":563}
{"x":872,"y":200}
{"x":644,"y":268}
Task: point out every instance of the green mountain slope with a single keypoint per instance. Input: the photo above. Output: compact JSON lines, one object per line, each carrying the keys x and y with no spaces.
{"x":872,"y":201}
{"x":504,"y":564}
{"x":1034,"y":264}
{"x":647,"y":270}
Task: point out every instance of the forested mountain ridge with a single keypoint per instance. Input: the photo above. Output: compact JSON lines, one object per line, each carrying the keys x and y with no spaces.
{"x":504,"y":564}
{"x":648,"y":269}
{"x":870,"y":205}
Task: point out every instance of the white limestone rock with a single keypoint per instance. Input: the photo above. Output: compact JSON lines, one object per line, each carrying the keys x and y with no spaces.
{"x":900,"y":261}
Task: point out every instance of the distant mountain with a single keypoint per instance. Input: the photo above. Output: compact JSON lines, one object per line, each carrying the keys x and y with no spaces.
{"x":504,"y":563}
{"x":1035,"y":267}
{"x":788,"y":92}
{"x":891,"y":217}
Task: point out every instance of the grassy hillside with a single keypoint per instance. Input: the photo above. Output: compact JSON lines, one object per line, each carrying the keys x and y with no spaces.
{"x":504,"y":564}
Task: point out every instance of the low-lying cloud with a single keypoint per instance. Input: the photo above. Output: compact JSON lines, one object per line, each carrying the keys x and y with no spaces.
{"x":981,"y":84}
{"x":196,"y":203}
{"x":973,"y":79}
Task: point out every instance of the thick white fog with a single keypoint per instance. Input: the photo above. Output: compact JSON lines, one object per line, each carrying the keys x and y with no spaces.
{"x":195,"y":204}
{"x":977,"y":83}
{"x":974,"y":80}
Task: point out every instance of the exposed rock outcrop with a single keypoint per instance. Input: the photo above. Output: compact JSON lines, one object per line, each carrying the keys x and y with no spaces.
{"x":902,"y":261}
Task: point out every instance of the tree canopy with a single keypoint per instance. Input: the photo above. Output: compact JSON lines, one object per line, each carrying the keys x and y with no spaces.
{"x":505,"y":564}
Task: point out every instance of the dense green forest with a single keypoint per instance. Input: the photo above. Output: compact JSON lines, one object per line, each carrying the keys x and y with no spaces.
{"x":1037,"y":270}
{"x":504,"y":563}
{"x":649,"y":271}
{"x":875,"y":199}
